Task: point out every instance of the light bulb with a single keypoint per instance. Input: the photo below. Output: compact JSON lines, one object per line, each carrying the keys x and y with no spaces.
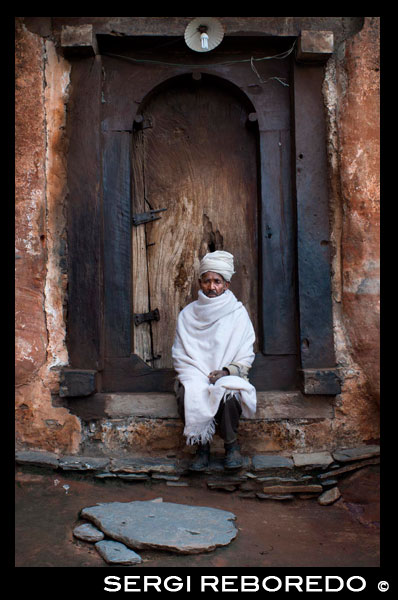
{"x":204,"y":41}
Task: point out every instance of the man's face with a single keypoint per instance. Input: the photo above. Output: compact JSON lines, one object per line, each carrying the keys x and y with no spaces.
{"x":213,"y":284}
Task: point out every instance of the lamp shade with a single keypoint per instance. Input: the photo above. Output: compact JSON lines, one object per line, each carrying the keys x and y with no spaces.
{"x":211,"y":26}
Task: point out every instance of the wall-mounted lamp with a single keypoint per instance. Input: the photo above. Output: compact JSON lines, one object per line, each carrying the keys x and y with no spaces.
{"x":203,"y":34}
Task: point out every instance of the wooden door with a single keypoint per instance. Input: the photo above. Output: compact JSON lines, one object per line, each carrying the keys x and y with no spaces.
{"x":194,"y":156}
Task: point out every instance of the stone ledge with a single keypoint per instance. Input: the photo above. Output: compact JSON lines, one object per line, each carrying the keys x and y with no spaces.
{"x":271,"y":406}
{"x":262,"y":476}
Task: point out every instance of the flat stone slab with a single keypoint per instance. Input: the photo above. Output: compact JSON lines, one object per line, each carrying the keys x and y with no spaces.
{"x":351,"y":466}
{"x":143,"y":465}
{"x":35,"y":457}
{"x":88,"y":533}
{"x":271,"y":462}
{"x":261,"y":496}
{"x":164,"y":526}
{"x":284,"y":480}
{"x":349,"y":454}
{"x":271,"y":406}
{"x":83,"y":463}
{"x":312,"y":459}
{"x":117,"y":553}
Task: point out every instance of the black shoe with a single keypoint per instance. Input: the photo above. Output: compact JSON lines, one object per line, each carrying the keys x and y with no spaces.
{"x":202,"y":457}
{"x":233,"y":457}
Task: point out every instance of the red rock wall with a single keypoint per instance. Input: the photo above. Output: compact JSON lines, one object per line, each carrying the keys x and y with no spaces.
{"x":40,"y":283}
{"x":352,"y":100}
{"x":361,"y":200}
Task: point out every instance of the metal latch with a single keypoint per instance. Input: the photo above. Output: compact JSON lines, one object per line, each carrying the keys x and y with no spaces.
{"x":147,"y":217}
{"x":153,"y":315}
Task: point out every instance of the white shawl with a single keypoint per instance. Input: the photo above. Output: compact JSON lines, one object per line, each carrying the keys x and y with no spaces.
{"x":212,"y":333}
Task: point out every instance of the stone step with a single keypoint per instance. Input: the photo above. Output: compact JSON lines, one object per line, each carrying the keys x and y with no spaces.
{"x":149,"y":422}
{"x":254,"y":467}
{"x":271,"y":406}
{"x":265,"y":476}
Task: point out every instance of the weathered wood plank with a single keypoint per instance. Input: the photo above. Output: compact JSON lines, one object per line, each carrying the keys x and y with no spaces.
{"x":117,"y":242}
{"x":200,"y":164}
{"x":315,"y":298}
{"x":85,"y":303}
{"x":141,"y":334}
{"x":278,"y":269}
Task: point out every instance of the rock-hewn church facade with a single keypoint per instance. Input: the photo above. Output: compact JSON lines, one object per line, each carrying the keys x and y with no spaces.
{"x":134,"y":157}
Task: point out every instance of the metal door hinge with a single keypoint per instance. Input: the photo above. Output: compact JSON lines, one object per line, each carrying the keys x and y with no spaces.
{"x":153,"y":315}
{"x":147,"y":217}
{"x":148,"y":360}
{"x":140,"y":122}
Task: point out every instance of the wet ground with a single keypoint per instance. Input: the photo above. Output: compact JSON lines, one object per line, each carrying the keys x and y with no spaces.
{"x":271,"y":533}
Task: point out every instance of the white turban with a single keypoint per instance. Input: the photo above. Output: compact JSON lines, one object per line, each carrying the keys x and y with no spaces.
{"x":218,"y":262}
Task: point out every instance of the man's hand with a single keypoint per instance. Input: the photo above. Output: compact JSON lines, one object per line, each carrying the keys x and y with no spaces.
{"x":215,"y":375}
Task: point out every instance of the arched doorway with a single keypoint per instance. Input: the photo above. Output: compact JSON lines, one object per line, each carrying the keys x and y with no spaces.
{"x":194,"y":157}
{"x":294,"y":315}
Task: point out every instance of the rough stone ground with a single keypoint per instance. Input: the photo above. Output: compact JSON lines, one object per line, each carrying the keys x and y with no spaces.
{"x":294,"y":533}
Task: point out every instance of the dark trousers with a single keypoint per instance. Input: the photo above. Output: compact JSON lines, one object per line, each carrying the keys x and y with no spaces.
{"x":226,"y":418}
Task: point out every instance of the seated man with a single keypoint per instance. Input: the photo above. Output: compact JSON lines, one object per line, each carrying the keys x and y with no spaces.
{"x":212,"y":354}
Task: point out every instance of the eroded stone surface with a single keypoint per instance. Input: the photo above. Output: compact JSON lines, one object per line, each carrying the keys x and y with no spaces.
{"x":312,"y":459}
{"x":359,"y":453}
{"x":271,"y":462}
{"x":329,"y":496}
{"x":88,"y":533}
{"x":166,"y":526}
{"x":117,"y":553}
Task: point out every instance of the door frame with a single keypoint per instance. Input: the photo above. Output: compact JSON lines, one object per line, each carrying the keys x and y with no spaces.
{"x":99,"y":222}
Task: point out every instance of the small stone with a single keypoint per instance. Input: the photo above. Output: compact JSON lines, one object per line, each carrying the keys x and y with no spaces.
{"x":274,"y":496}
{"x":329,"y":482}
{"x":88,"y":533}
{"x":272,"y":462}
{"x":313,"y":459}
{"x":117,"y":553}
{"x":349,"y":454}
{"x":329,"y":496}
